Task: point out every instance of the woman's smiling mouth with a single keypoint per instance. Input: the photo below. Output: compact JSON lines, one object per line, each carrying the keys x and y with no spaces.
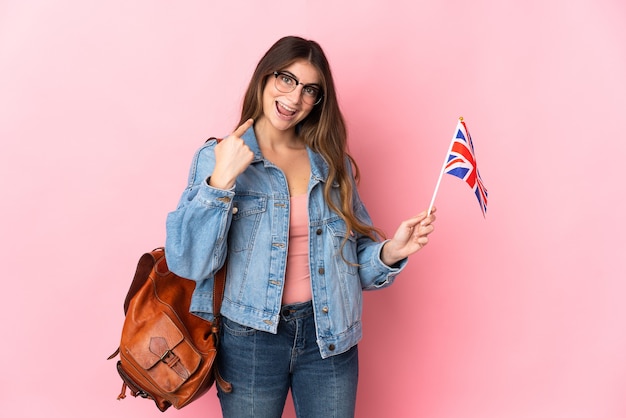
{"x":284,"y":110}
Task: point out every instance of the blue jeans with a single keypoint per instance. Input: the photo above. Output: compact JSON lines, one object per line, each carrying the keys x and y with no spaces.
{"x":262,"y":367}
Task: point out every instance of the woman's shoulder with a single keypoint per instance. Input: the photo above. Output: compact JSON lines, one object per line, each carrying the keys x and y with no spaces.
{"x":203,"y":161}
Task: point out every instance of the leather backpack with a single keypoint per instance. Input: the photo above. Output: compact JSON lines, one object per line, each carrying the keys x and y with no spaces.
{"x":167,"y":354}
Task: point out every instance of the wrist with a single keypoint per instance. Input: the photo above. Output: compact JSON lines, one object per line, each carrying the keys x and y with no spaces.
{"x":217,"y":184}
{"x":388,"y":255}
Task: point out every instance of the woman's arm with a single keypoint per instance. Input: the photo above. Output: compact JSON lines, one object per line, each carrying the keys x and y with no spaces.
{"x":195,"y":244}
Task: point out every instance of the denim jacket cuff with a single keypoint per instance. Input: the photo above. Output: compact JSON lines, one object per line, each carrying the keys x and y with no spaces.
{"x":214,"y":197}
{"x":397,"y":267}
{"x":386,"y":274}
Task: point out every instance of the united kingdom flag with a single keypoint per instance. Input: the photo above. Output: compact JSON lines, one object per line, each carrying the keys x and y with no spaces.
{"x":461,"y":163}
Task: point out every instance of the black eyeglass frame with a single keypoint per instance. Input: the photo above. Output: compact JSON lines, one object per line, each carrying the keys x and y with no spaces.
{"x":284,"y":73}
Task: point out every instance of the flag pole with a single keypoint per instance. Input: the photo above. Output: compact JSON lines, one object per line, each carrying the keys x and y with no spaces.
{"x":445,"y":161}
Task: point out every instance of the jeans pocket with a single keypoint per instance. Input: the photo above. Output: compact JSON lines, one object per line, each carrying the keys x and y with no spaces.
{"x":236,"y":329}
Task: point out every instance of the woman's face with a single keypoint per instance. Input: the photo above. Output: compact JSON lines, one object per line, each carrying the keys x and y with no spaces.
{"x":285,"y":110}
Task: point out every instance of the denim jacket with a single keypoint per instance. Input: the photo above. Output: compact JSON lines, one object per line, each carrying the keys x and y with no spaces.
{"x":250,"y":224}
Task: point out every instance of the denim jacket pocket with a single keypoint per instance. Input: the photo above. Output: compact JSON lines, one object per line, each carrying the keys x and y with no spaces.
{"x":345,"y":249}
{"x":247,"y":211}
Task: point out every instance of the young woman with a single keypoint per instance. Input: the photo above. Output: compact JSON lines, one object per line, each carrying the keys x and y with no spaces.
{"x":277,"y":201}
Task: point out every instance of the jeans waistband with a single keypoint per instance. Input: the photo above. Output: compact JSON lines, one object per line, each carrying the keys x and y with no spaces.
{"x":296,"y":311}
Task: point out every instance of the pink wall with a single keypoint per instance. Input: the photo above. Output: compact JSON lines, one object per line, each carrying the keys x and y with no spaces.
{"x":520,"y":315}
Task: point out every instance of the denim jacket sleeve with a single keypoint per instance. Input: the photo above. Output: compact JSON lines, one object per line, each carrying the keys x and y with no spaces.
{"x":374,"y":273}
{"x":196,"y":232}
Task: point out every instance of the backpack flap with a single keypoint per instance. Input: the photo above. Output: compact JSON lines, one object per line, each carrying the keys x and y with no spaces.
{"x":162,"y":351}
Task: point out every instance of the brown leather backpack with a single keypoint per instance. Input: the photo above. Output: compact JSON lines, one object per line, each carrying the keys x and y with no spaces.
{"x":167,"y":354}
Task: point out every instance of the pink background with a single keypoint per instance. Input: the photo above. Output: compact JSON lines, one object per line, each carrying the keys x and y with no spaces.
{"x":102,"y":104}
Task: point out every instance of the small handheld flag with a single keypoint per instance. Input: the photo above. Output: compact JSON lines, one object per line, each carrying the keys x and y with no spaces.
{"x":461,"y":162}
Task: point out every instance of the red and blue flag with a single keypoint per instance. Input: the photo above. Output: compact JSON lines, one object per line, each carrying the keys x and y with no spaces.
{"x":461,"y":162}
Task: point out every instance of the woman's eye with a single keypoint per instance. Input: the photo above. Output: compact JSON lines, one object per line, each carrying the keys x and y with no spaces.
{"x":310,"y":91}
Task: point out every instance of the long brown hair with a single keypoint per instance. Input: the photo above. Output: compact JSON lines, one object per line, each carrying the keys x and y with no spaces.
{"x":323,"y":130}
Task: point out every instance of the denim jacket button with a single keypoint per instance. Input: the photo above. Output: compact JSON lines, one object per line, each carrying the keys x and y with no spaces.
{"x":321,"y":270}
{"x":319,"y":231}
{"x":331,"y":347}
{"x":325,"y":309}
{"x":235,"y":210}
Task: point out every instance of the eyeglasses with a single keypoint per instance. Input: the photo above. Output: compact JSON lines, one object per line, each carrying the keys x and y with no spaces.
{"x":286,"y":83}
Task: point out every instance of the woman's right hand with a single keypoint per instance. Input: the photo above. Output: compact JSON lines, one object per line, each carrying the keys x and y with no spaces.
{"x":232,"y":157}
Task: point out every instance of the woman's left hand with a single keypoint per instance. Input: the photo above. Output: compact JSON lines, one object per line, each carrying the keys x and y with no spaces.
{"x":410,"y":237}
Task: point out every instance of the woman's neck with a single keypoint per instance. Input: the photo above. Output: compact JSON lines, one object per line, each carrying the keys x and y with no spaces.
{"x":271,"y":138}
